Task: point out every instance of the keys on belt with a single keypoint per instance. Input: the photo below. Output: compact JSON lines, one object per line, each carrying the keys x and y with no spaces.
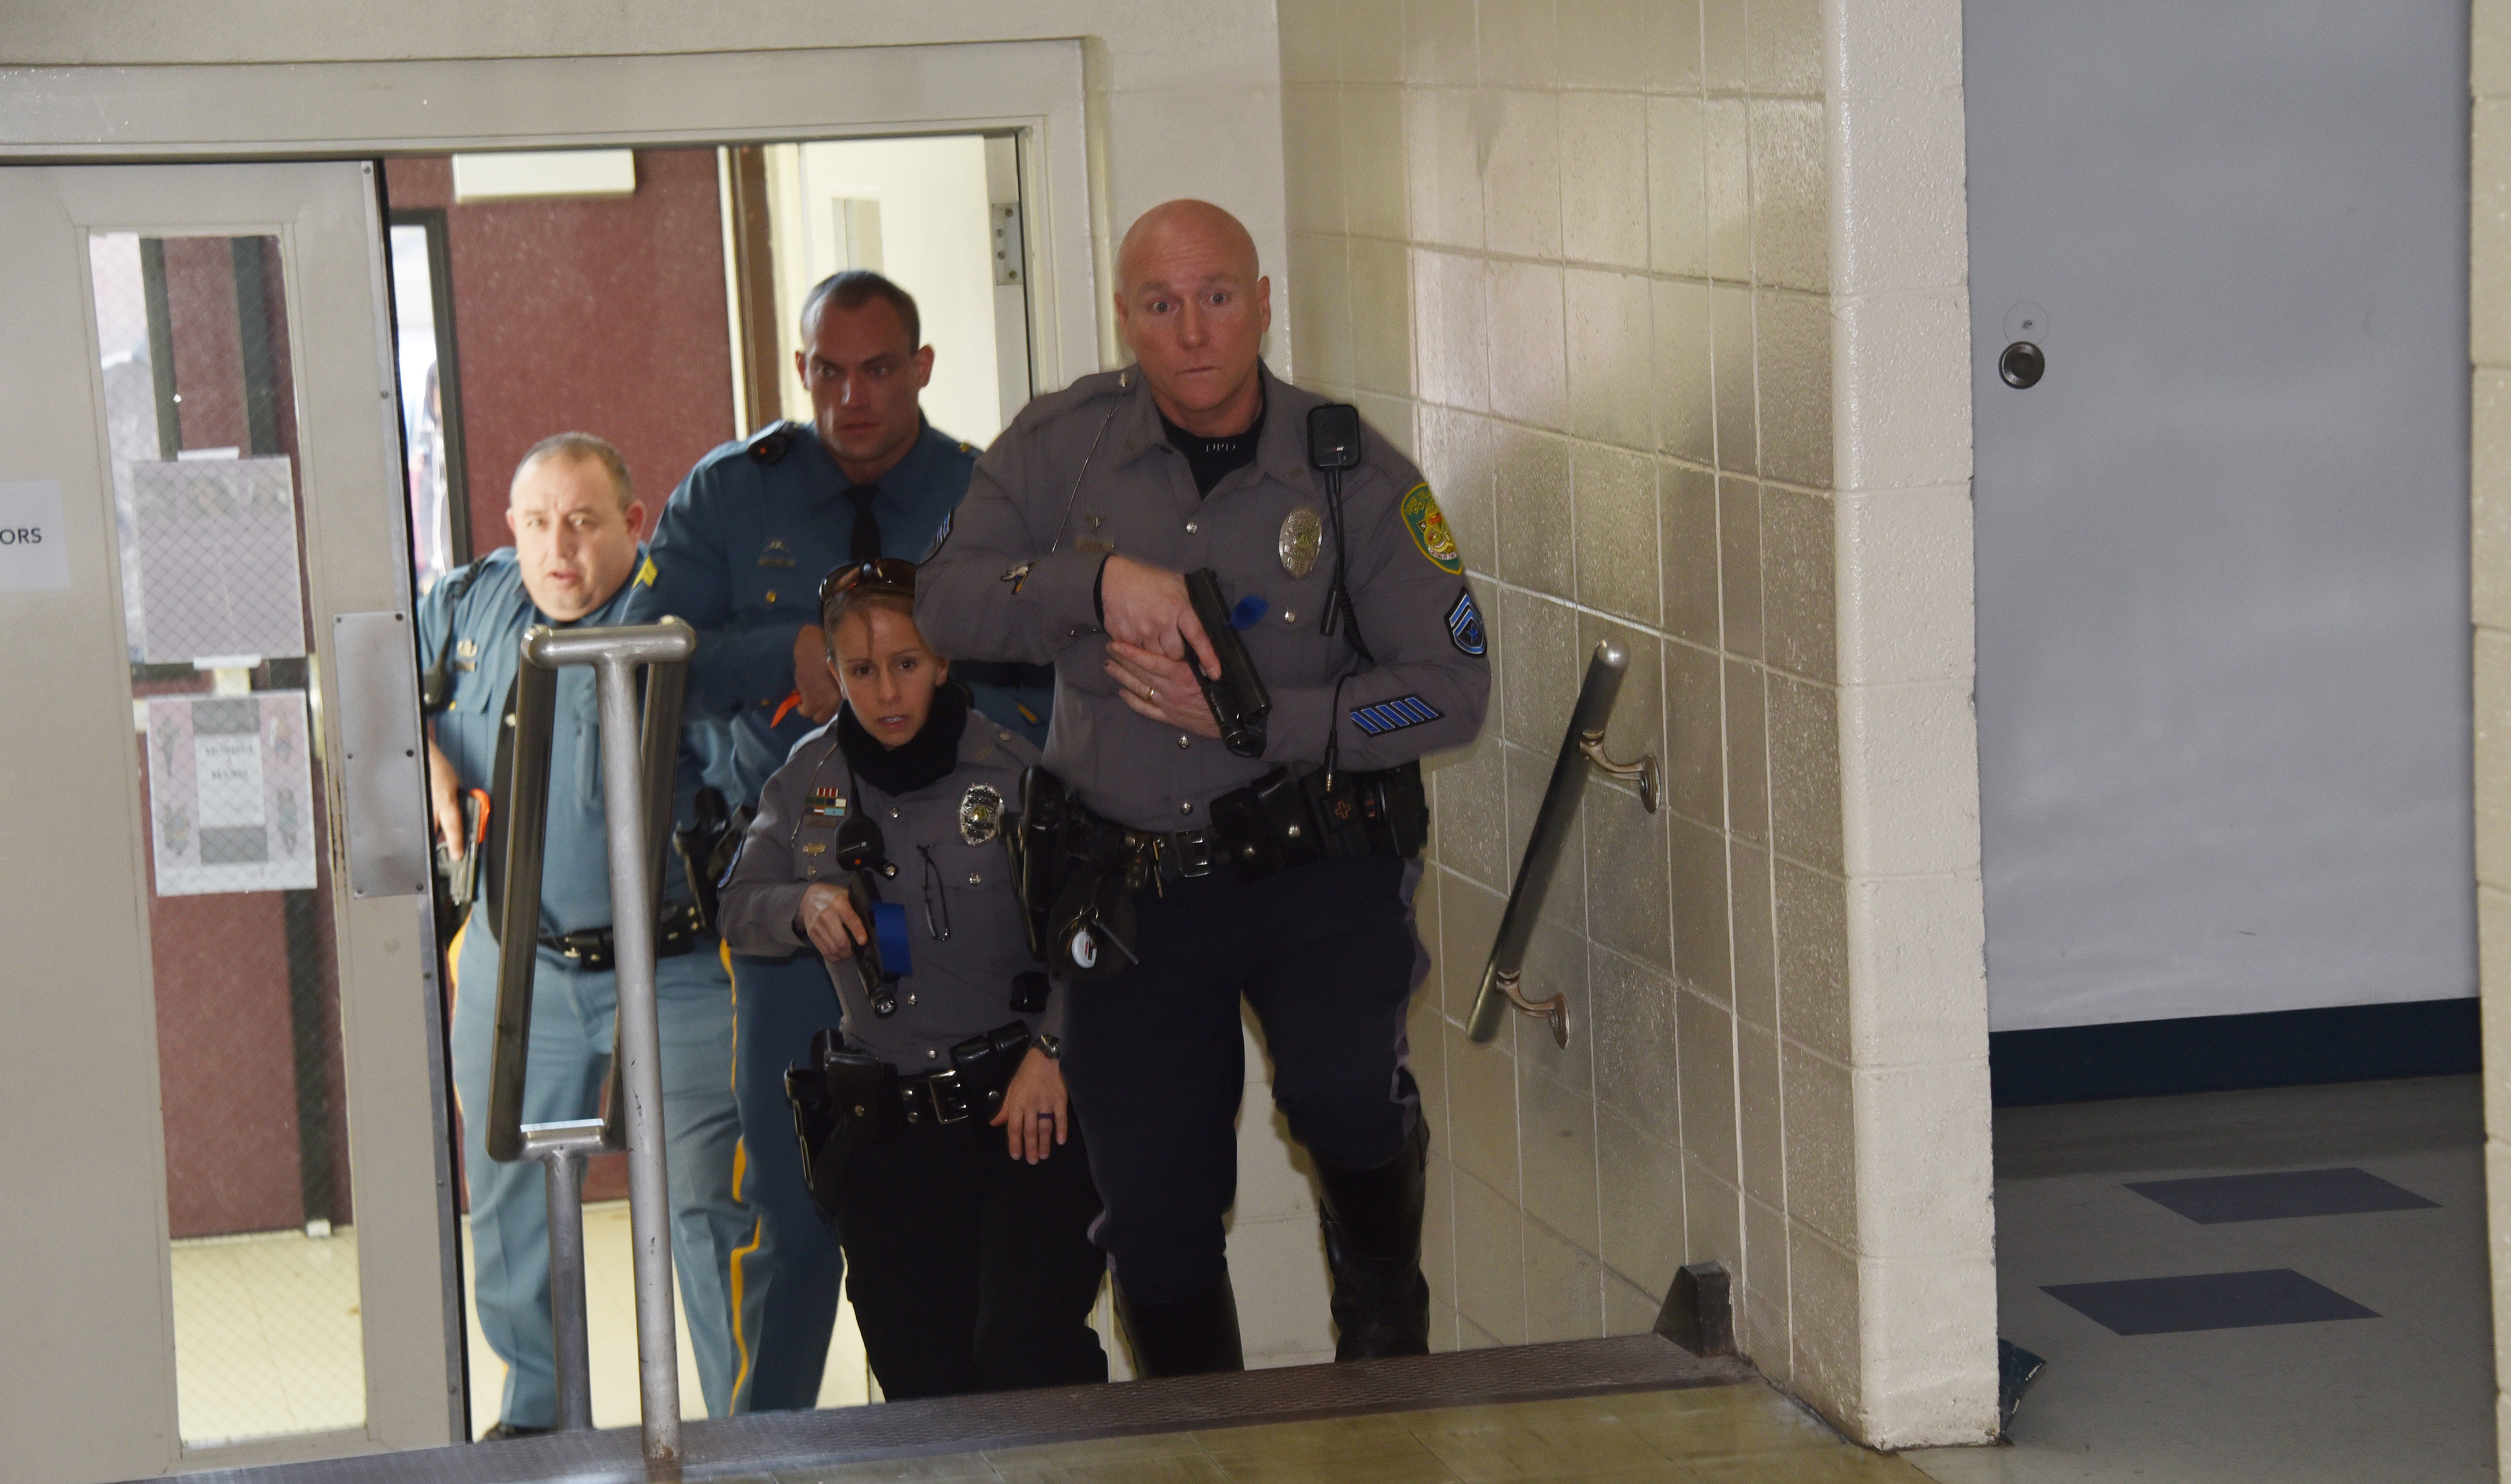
{"x":594,"y":950}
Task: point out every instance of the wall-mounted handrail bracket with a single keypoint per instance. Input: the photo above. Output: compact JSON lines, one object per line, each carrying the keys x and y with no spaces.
{"x":1554,"y":1012}
{"x":1582,"y":747}
{"x":1591,"y":746}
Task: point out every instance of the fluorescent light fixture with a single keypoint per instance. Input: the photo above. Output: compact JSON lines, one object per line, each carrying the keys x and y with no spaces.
{"x":544,"y":173}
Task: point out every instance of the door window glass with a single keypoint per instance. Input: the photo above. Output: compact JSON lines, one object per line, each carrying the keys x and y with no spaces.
{"x":200,"y":417}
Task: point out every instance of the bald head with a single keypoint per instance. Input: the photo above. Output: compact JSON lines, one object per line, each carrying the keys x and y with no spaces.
{"x":1198,"y":226}
{"x":1193,"y":308}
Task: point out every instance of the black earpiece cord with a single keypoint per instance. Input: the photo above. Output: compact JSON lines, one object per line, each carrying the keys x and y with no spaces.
{"x":1338,"y":609}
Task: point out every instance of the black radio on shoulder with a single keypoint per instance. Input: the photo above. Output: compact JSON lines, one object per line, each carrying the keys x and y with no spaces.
{"x":1236,"y":695}
{"x":1333,"y":436}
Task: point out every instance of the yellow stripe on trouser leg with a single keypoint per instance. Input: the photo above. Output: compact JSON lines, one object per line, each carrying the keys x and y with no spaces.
{"x":733,"y":1285}
{"x":792,"y":1269}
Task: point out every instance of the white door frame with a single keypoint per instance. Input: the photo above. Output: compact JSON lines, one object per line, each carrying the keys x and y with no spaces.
{"x":214,"y":114}
{"x":1037,"y":89}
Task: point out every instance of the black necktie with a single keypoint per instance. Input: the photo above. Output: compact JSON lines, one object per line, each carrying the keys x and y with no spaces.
{"x":867,"y":536}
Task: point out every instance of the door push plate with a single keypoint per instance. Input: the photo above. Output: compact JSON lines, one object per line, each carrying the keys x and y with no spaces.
{"x":383,"y":780}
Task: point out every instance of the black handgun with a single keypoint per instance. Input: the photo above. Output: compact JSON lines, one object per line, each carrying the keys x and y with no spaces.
{"x":1236,"y":695}
{"x":457,"y":883}
{"x":881,"y":959}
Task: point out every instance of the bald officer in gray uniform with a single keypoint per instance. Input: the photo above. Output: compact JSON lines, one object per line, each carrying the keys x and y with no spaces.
{"x":1069,"y":548}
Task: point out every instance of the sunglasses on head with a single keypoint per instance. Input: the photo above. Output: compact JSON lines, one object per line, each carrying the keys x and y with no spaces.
{"x":881,"y":574}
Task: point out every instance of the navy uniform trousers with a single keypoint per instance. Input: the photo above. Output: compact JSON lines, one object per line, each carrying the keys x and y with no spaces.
{"x":1156,"y":1060}
{"x":970,"y":1269}
{"x":785,"y":1273}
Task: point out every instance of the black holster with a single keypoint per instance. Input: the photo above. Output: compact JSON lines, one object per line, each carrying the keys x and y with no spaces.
{"x":1077,"y":876}
{"x":707,"y":850}
{"x":841,"y":1101}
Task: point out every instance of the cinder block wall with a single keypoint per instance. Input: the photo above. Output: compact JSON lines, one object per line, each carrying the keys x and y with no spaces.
{"x":2490,"y":544}
{"x":1669,"y":299}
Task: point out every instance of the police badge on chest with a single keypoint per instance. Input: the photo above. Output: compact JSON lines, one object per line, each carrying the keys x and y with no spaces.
{"x":980,"y":813}
{"x":1303,"y":534}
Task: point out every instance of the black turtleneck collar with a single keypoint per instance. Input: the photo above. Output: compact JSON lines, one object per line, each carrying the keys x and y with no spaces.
{"x":923,"y":760}
{"x":1210,"y":459}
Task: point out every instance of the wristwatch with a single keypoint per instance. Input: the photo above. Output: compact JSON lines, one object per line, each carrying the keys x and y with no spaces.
{"x":1051,"y":1045}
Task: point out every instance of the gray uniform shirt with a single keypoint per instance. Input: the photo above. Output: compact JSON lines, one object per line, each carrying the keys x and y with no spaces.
{"x":1266,"y":531}
{"x":961,"y":986}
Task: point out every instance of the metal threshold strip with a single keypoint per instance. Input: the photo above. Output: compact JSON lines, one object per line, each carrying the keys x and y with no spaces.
{"x":794,"y":1440}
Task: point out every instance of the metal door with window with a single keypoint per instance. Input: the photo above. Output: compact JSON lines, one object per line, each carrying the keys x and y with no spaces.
{"x":229,"y":1237}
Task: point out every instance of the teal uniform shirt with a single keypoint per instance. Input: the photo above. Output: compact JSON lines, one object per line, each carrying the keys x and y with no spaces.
{"x":740,"y":551}
{"x":481,"y":612}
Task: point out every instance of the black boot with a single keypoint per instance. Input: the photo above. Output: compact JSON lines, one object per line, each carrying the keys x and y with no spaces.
{"x":1192,"y":1336}
{"x":1372,"y":1222}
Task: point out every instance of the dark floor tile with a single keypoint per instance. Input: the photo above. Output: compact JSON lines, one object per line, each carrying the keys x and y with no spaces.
{"x":2215,"y":1198}
{"x":2207,"y":1301}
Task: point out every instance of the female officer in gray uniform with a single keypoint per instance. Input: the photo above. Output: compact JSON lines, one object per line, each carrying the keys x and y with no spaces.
{"x":969,"y":1257}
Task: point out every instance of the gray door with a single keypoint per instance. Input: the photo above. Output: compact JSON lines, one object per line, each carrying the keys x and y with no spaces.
{"x":2223,"y":632}
{"x":230,"y":1227}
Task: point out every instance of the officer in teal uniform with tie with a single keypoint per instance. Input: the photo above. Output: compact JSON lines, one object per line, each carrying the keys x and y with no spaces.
{"x":739,"y":554}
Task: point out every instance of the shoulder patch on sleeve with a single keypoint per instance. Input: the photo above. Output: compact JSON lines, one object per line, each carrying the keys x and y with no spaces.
{"x":1395,"y":714}
{"x":1465,"y":625}
{"x":1428,"y":529}
{"x":647,"y":573}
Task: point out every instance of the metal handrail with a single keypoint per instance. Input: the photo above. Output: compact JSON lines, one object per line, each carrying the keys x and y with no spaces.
{"x":1581,"y":748}
{"x":638,"y":759}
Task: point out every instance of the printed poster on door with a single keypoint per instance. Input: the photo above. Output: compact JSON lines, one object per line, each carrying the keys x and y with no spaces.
{"x":230,"y":792}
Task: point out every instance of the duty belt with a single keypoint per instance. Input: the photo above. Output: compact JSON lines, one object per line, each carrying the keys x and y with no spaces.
{"x":938,"y":1098}
{"x":1185,"y":854}
{"x":1080,"y":871}
{"x":594,"y":950}
{"x":1287,"y":818}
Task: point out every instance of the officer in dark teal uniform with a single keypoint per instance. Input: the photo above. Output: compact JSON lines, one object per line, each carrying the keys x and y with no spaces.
{"x":575,"y":531}
{"x":739,"y":554}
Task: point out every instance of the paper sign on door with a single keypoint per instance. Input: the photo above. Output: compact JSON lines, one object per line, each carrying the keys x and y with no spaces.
{"x":230,"y":792}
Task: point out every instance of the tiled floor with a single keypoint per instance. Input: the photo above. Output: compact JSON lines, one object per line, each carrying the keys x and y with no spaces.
{"x":267,"y":1336}
{"x":610,"y":1333}
{"x":267,"y":1339}
{"x":2375,"y":1210}
{"x":1737,"y":1435}
{"x":2380,"y":1207}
